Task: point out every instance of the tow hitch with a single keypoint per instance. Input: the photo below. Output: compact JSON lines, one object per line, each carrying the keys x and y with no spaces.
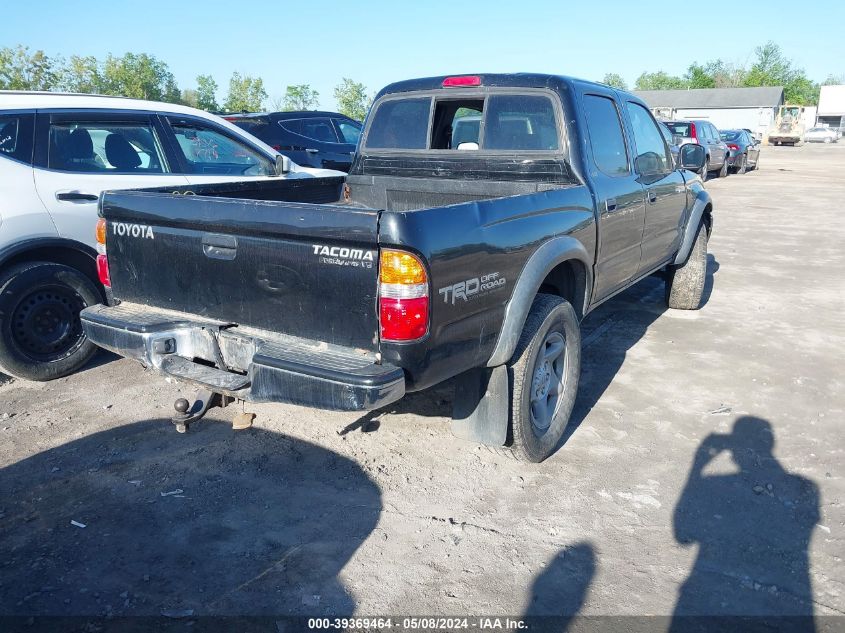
{"x":187,"y":412}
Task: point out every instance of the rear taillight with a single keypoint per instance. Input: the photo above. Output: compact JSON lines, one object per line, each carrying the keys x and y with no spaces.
{"x":102,"y":261}
{"x":733,"y":146}
{"x":692,"y":132}
{"x":403,"y":296}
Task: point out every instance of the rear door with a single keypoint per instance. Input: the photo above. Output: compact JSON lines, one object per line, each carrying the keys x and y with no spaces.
{"x":664,"y":188}
{"x":78,"y":154}
{"x":619,"y":195}
{"x":316,"y":142}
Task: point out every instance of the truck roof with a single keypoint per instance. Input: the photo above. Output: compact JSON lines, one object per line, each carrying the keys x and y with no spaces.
{"x":499,"y":80}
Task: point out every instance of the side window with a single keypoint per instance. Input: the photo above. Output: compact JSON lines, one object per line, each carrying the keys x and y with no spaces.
{"x":211,"y":151}
{"x":350,"y":132}
{"x":16,"y":136}
{"x":606,"y":137}
{"x":105,"y":146}
{"x":520,"y":122}
{"x":320,"y":130}
{"x":652,"y":155}
{"x":400,"y":124}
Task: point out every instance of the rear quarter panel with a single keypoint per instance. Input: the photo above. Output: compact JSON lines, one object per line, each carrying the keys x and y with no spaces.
{"x":475,"y":252}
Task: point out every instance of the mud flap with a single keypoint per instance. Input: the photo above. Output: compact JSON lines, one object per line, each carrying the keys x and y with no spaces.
{"x":481,"y":407}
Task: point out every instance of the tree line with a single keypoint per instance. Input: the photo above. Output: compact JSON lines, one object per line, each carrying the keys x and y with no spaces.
{"x":143,"y":76}
{"x":770,"y":67}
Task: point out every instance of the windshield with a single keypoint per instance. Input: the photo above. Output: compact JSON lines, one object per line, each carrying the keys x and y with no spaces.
{"x":679,"y":128}
{"x":730,"y":135}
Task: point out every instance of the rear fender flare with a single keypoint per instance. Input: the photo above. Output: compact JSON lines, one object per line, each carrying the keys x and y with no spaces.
{"x":701,"y":206}
{"x":552,"y":253}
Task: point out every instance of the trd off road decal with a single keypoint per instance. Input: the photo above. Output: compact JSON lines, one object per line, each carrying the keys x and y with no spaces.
{"x":472,"y":288}
{"x":343,"y":256}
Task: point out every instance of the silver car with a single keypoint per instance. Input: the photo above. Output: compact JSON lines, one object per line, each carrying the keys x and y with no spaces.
{"x":821,"y":135}
{"x":705,"y":134}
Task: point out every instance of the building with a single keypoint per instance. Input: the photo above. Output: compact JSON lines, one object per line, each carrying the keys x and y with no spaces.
{"x":726,"y":108}
{"x":831,"y":110}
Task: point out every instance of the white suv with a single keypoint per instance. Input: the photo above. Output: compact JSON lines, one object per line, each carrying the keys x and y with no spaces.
{"x":58,"y":152}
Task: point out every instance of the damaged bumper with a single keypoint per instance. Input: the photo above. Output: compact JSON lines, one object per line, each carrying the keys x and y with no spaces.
{"x":249,"y":364}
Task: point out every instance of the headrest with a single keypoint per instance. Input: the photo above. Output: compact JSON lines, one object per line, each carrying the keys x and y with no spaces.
{"x":78,"y":145}
{"x":120,"y":153}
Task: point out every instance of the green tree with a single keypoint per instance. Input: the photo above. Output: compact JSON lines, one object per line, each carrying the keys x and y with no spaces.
{"x":834,"y":80}
{"x":82,"y":74}
{"x":615,"y":80}
{"x":22,"y":70}
{"x":772,"y":68}
{"x":300,"y":97}
{"x":352,"y":99}
{"x":207,"y":93}
{"x":698,"y":77}
{"x":189,"y":97}
{"x":139,"y":76}
{"x":246,"y":94}
{"x":659,"y":81}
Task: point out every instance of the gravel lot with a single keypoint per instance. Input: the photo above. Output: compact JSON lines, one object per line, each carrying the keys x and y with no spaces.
{"x":702,"y":472}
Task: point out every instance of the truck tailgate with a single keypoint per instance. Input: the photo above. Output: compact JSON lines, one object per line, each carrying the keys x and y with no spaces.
{"x":310,"y":270}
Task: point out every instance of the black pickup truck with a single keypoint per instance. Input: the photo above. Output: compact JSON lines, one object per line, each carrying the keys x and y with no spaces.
{"x":482,"y":218}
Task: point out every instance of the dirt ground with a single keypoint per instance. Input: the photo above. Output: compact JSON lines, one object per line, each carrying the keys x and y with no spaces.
{"x":702,"y":471}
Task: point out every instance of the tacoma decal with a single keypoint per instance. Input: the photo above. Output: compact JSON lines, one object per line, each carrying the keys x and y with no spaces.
{"x":344,"y":256}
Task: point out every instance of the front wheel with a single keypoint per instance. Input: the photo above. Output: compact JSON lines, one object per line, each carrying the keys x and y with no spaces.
{"x":41,"y":336}
{"x":543,"y":376}
{"x":685,"y":283}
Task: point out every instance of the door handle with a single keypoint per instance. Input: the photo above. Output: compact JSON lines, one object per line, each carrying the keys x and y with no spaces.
{"x":312,"y":151}
{"x":610,"y":204}
{"x":652,"y":197}
{"x":76,"y":196}
{"x":217,"y":246}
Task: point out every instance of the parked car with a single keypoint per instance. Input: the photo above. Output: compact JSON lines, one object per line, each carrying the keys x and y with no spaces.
{"x":431,"y":262}
{"x":311,"y":138}
{"x":58,"y":153}
{"x":671,"y":141}
{"x":705,"y":134}
{"x":821,"y":135}
{"x":744,"y":150}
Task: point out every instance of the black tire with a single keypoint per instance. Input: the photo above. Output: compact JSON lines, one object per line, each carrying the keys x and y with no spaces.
{"x":41,"y":335}
{"x":685,"y":283}
{"x":705,"y":170}
{"x":550,"y":322}
{"x":756,"y":163}
{"x":724,"y":170}
{"x":743,"y":165}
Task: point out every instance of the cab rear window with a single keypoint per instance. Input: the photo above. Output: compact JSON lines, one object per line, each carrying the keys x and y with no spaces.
{"x":679,"y":129}
{"x":497,"y":122}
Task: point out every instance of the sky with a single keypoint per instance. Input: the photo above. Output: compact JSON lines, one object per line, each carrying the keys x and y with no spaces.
{"x":378,"y":42}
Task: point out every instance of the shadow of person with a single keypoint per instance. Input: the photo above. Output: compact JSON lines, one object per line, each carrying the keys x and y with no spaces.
{"x":753,"y":528}
{"x":558,"y":593}
{"x":220,"y":523}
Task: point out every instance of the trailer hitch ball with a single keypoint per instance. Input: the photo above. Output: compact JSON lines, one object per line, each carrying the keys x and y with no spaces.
{"x":181,"y":405}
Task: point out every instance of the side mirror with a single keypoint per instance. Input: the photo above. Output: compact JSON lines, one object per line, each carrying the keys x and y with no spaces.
{"x":692,"y":157}
{"x":283,"y":164}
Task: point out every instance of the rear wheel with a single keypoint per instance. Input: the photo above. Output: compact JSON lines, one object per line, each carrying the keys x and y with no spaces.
{"x":724,"y":170}
{"x":685,"y":283}
{"x":543,"y":375}
{"x":706,"y":169}
{"x":41,"y":335}
{"x":743,"y":164}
